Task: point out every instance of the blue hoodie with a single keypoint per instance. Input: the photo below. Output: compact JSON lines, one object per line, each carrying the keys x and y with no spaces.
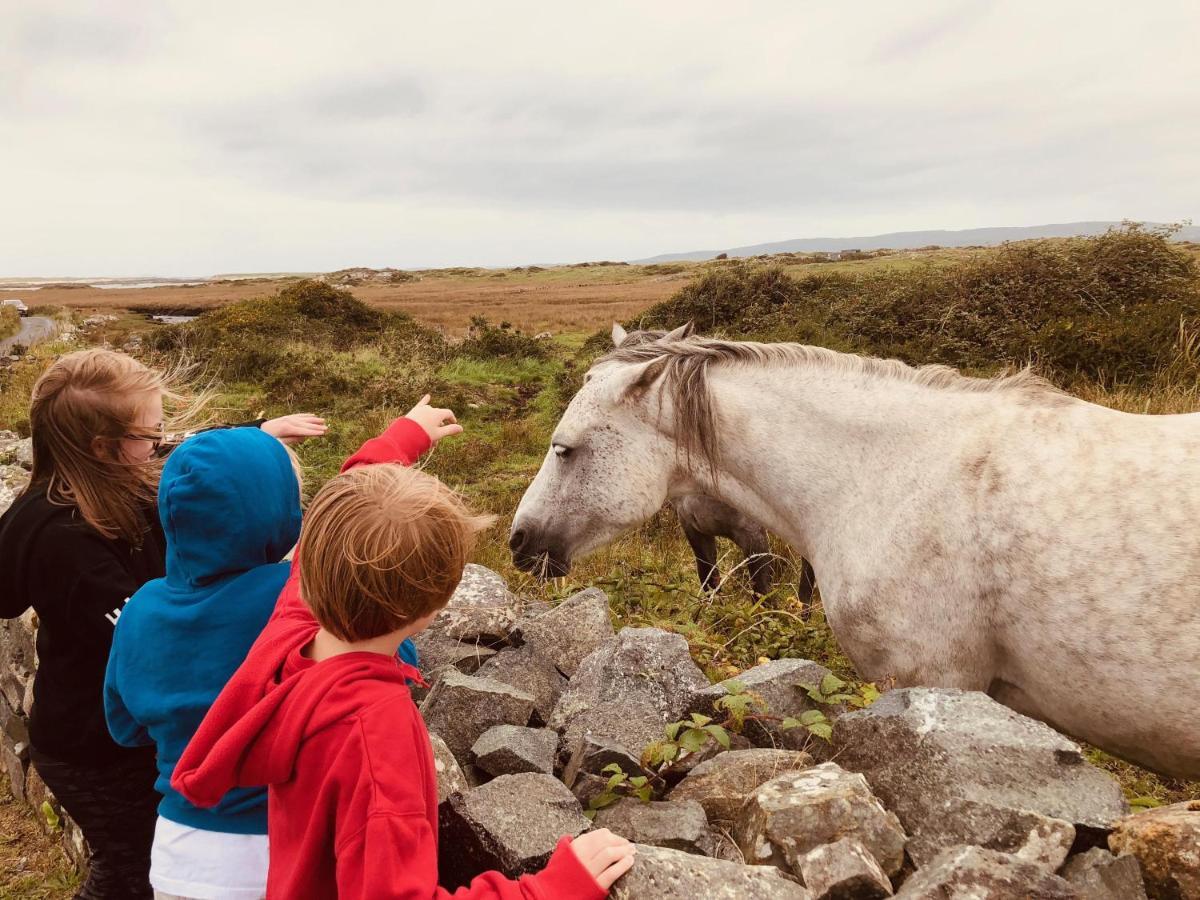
{"x":230,"y":509}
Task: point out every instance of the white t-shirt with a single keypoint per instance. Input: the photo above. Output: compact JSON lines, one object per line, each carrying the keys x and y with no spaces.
{"x":207,"y":865}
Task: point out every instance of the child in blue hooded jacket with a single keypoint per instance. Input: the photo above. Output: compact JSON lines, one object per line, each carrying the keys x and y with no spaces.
{"x":229,"y":502}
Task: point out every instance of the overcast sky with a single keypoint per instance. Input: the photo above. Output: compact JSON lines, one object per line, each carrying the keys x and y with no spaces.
{"x":191,"y":138}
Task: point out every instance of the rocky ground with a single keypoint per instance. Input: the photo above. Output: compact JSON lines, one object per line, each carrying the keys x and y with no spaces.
{"x":774,"y":785}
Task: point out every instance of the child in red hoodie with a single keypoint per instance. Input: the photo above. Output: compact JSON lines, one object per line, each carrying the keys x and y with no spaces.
{"x":320,"y":711}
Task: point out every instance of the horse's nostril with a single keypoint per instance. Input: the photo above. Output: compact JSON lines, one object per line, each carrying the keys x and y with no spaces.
{"x":517,"y":540}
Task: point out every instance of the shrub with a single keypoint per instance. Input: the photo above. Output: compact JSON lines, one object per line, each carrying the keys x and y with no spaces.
{"x":1116,"y":308}
{"x":487,"y":341}
{"x":10,"y":322}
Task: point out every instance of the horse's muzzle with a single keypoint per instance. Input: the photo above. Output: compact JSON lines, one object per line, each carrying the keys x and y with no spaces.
{"x":534,"y":555}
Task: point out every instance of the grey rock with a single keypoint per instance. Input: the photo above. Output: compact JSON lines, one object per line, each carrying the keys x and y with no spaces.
{"x":795,"y":812}
{"x":660,"y":873}
{"x":512,"y":749}
{"x":15,"y":760}
{"x":511,"y":824}
{"x":843,"y":870}
{"x":722,"y":784}
{"x":780,"y":685}
{"x":16,"y":451}
{"x":973,"y":873}
{"x":437,"y":653}
{"x":461,"y":708}
{"x":627,"y":690}
{"x":528,"y":670}
{"x":1098,"y":875}
{"x":1166,"y":844}
{"x":450,"y":777}
{"x":678,"y":824}
{"x":12,"y":481}
{"x":959,"y":768}
{"x":567,"y":633}
{"x":681,"y":768}
{"x":594,"y":754}
{"x":481,"y":610}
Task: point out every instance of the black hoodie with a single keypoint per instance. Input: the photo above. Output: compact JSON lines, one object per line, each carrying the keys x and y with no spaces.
{"x":77,"y":581}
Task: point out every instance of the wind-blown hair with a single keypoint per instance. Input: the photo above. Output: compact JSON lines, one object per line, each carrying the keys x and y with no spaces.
{"x":94,"y":394}
{"x":682,"y":368}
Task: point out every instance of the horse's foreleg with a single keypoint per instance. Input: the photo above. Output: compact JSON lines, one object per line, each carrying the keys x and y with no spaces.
{"x":804,"y":591}
{"x":704,"y":546}
{"x":759,"y":561}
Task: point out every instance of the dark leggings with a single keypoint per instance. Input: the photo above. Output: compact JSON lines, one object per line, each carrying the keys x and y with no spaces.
{"x":116,"y":807}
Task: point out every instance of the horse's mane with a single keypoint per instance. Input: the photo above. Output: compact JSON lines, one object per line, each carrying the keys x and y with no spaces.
{"x":683,"y":367}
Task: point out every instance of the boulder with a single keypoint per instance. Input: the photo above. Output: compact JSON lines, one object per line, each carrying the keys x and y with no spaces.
{"x":461,"y":708}
{"x":959,"y":768}
{"x":1166,"y":843}
{"x":973,"y":873}
{"x":843,"y":870}
{"x":678,"y":824}
{"x":585,"y":774}
{"x":567,"y":633}
{"x":15,"y":450}
{"x":795,"y":812}
{"x":1098,"y":875}
{"x":481,"y":610}
{"x":627,"y":690}
{"x":722,"y":784}
{"x":12,"y":481}
{"x":660,"y":873}
{"x":681,"y":768}
{"x":780,"y":685}
{"x":437,"y":653}
{"x":450,"y":777}
{"x":512,"y":749}
{"x":526,"y":669}
{"x":511,"y":824}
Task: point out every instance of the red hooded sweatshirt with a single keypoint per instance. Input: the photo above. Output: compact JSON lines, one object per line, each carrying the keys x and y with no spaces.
{"x":352,"y":790}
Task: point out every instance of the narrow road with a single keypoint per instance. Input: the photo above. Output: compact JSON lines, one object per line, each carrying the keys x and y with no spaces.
{"x":33,"y":329}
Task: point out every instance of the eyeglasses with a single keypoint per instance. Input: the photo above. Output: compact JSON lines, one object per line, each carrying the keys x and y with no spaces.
{"x":155,"y":438}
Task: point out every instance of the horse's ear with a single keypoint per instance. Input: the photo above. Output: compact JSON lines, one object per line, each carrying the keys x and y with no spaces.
{"x":678,"y":334}
{"x":618,"y":334}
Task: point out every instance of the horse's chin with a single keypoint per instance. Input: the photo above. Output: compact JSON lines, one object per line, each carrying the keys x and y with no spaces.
{"x":542,"y":565}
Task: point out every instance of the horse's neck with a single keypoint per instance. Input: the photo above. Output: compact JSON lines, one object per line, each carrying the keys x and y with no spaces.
{"x":799,"y":446}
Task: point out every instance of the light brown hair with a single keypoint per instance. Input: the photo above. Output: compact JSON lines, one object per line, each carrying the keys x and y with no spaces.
{"x":382,"y":546}
{"x":93,"y":394}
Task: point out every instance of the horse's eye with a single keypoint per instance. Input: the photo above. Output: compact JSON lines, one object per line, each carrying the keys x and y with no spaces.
{"x":561,"y":451}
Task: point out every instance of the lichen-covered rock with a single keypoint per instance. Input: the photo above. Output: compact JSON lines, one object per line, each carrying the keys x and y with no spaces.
{"x":843,"y":870}
{"x":450,"y":777}
{"x":678,"y":824}
{"x":481,"y":610}
{"x":15,"y":450}
{"x":512,"y":749}
{"x":627,"y":690}
{"x":525,"y":668}
{"x":660,"y":873}
{"x":567,"y":633}
{"x":1098,"y":875}
{"x":781,"y":685}
{"x":437,"y":653}
{"x":972,"y":873}
{"x":461,"y":708}
{"x":511,"y":824}
{"x":12,"y":481}
{"x":795,"y":812}
{"x":722,"y":784}
{"x":1166,"y":843}
{"x":959,"y":768}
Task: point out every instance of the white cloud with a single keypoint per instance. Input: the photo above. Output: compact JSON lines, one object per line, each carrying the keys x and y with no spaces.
{"x":189,"y":138}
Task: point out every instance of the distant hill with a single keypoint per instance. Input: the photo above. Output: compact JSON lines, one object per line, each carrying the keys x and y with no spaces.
{"x":911,"y":240}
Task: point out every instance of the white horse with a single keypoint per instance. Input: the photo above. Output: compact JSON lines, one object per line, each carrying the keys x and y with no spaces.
{"x":992,"y":535}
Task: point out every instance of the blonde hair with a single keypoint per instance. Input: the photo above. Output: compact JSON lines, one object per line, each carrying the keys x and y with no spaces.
{"x":382,"y":546}
{"x":92,"y":394}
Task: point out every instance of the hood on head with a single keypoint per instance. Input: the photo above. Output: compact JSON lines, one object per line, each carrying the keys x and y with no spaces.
{"x":229,"y":501}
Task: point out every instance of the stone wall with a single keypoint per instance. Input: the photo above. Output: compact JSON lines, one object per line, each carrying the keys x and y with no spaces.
{"x":18,"y":659}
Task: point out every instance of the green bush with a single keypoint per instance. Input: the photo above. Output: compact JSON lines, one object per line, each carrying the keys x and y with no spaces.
{"x":1116,"y":308}
{"x":487,"y":341}
{"x":10,"y":322}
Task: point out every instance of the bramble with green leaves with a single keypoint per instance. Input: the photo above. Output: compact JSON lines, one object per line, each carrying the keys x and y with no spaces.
{"x":620,"y":784}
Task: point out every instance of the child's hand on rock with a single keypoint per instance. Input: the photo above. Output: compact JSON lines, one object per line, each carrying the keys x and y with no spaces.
{"x":438,"y":423}
{"x":605,"y":855}
{"x":295,"y":428}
